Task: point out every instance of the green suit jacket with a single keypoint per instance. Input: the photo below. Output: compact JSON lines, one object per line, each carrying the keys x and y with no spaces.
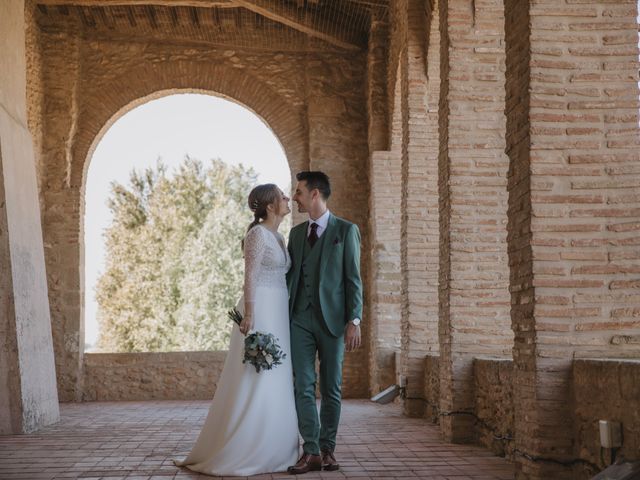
{"x":339,"y":277}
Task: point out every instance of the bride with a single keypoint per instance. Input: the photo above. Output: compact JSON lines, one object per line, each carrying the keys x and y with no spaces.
{"x":251,"y":427}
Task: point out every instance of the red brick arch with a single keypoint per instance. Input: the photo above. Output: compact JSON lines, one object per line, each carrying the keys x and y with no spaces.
{"x":108,"y":104}
{"x":290,"y":152}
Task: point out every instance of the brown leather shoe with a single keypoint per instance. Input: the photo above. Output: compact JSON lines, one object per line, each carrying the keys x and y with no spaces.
{"x":307,"y":463}
{"x":329,"y":461}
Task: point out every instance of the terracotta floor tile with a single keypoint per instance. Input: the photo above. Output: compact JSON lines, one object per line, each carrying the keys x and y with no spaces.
{"x":139,"y":440}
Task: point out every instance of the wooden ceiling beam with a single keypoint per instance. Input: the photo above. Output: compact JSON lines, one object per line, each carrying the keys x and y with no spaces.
{"x":372,"y":3}
{"x":280,"y":12}
{"x":133,"y":3}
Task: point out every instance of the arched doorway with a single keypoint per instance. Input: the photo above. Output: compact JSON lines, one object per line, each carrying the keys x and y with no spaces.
{"x":202,"y":127}
{"x":64,"y":198}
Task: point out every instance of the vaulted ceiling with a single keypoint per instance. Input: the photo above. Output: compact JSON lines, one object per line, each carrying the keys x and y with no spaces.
{"x":258,"y":24}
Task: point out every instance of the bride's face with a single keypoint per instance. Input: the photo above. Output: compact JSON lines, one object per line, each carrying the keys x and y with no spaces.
{"x":282,"y":205}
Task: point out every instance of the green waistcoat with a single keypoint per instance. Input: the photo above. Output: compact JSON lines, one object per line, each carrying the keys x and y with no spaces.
{"x":307,"y":294}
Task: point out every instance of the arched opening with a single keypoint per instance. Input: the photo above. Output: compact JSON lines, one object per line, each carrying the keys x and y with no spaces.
{"x":171,"y":127}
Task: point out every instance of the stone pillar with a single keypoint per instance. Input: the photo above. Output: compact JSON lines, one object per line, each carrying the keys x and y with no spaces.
{"x":377,"y":95}
{"x":419,"y":221}
{"x":28,"y":396}
{"x":474,"y":275}
{"x":384,"y":228}
{"x":384,"y":287}
{"x":574,"y":208}
{"x":61,"y":215}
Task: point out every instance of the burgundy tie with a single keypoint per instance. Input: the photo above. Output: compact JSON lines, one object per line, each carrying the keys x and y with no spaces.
{"x":313,"y":236}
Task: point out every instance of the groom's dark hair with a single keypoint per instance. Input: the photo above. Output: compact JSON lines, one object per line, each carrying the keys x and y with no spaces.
{"x":318,"y":180}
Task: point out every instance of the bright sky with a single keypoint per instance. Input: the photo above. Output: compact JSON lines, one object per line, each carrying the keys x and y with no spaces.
{"x":200,"y":126}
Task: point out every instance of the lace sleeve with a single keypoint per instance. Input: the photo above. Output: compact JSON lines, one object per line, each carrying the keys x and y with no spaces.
{"x":254,"y":248}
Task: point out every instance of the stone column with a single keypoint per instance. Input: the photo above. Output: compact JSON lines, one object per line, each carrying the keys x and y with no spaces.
{"x":574,"y":208}
{"x":384,"y":287}
{"x":474,"y":275}
{"x":61,"y":214}
{"x":28,"y":395}
{"x":419,"y":220}
{"x":384,"y":224}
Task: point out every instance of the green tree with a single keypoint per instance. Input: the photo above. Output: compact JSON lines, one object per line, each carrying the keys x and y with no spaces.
{"x":174,"y":263}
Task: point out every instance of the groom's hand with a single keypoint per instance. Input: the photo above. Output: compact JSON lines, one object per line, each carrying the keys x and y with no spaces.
{"x":352,"y":337}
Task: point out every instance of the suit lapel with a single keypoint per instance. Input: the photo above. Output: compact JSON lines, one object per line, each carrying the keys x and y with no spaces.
{"x":327,"y":244}
{"x":297,"y":239}
{"x":299,"y":250}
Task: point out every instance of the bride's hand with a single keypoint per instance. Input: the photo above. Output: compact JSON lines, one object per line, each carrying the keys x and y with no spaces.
{"x":246,"y":324}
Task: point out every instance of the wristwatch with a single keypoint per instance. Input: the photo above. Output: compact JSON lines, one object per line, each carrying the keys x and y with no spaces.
{"x":355,"y":322}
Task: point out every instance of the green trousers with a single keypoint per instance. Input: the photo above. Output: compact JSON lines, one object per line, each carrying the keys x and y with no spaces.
{"x":308,"y":336}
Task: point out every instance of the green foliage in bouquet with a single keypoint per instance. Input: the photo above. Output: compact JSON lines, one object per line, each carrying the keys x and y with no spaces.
{"x":235,"y":315}
{"x":260,"y":349}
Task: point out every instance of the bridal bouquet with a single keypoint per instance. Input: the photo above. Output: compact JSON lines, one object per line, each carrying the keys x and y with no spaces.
{"x":260,"y":349}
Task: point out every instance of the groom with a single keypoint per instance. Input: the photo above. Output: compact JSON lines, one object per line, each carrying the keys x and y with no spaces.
{"x":325,"y":307}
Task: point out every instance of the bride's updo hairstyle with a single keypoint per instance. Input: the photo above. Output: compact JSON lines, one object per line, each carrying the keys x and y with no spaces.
{"x":259,"y":199}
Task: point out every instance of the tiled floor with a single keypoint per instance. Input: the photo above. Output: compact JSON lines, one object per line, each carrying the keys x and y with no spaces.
{"x":137,"y":440}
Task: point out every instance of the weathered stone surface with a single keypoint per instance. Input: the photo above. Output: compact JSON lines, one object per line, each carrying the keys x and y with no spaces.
{"x":605,"y":390}
{"x":28,"y":397}
{"x":432,"y":388}
{"x":157,"y":376}
{"x":493,"y":392}
{"x":151,"y":376}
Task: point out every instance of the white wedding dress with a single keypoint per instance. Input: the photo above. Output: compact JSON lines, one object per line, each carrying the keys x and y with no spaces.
{"x":252,"y":426}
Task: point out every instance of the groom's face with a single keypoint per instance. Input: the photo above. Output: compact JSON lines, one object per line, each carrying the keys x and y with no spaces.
{"x":302,"y":197}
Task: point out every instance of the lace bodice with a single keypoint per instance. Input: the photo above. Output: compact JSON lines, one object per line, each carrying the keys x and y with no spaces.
{"x":266,"y":261}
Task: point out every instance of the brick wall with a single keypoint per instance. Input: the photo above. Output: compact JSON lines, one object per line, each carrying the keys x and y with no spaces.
{"x":385,"y":176}
{"x":376,"y":82}
{"x":584,"y":165}
{"x":601,"y":390}
{"x":573,"y":209}
{"x":474,"y":299}
{"x":419,"y":244}
{"x":519,"y":241}
{"x":384,"y":209}
{"x":110,"y":377}
{"x":425,"y":201}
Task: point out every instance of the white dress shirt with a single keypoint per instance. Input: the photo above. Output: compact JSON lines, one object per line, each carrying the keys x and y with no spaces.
{"x":322,"y":223}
